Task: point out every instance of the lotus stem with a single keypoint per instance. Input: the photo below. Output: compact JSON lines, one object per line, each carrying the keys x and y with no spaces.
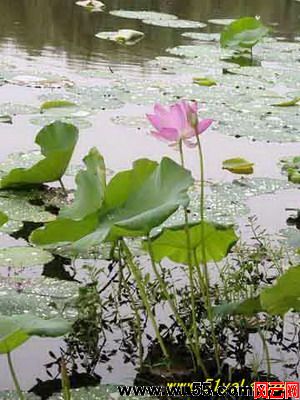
{"x":63,"y":187}
{"x":136,"y":273}
{"x":135,"y":309}
{"x":266,"y":349}
{"x":172,"y":304}
{"x":65,"y":381}
{"x":190,"y":266}
{"x":203,"y":249}
{"x":14,"y":377}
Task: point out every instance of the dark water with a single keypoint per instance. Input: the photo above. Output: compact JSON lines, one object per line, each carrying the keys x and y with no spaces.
{"x":60,"y":27}
{"x":58,"y":34}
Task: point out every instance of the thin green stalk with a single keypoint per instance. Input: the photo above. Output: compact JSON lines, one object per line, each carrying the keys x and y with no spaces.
{"x":206,"y":275}
{"x":63,"y":187}
{"x":172,"y":304}
{"x":14,"y":377}
{"x":136,"y":273}
{"x":266,"y":349}
{"x":135,"y":309}
{"x":191,"y":278}
{"x":65,"y":381}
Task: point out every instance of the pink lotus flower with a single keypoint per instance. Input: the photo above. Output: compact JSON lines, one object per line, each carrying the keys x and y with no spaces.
{"x":178,"y":122}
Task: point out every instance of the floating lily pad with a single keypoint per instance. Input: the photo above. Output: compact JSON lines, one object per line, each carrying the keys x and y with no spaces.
{"x":20,"y":160}
{"x":57,"y":142}
{"x":289,"y":103}
{"x":5,"y":119}
{"x":42,"y":297}
{"x":17,"y":109}
{"x":17,"y":208}
{"x":11,"y":227}
{"x":122,"y":36}
{"x":37,"y":81}
{"x":221,"y":21}
{"x":21,"y":257}
{"x":91,"y":5}
{"x":149,"y":15}
{"x":202,"y":36}
{"x":291,"y":167}
{"x":56,"y":104}
{"x":243,"y":34}
{"x":133,"y":121}
{"x":43,"y":120}
{"x":204,"y":81}
{"x":175,"y":23}
{"x":238,"y":166}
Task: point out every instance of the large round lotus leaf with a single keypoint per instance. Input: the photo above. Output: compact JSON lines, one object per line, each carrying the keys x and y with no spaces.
{"x":91,"y":5}
{"x":221,"y":21}
{"x":284,"y":295}
{"x":171,"y":243}
{"x":57,"y":142}
{"x":20,"y":160}
{"x":48,"y":105}
{"x":18,"y":209}
{"x":23,"y":257}
{"x":149,"y":15}
{"x":16,"y":329}
{"x":37,"y":81}
{"x":17,"y":109}
{"x":43,"y":120}
{"x":285,"y":52}
{"x":92,"y":98}
{"x":238,"y":166}
{"x":175,"y":23}
{"x":5,"y":395}
{"x":202,"y":36}
{"x":42,"y":297}
{"x":243,"y":33}
{"x":36,"y":326}
{"x":122,"y":36}
{"x":11,"y":336}
{"x":11,"y":226}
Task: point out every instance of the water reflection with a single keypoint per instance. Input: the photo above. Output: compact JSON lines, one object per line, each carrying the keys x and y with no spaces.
{"x":35,"y":26}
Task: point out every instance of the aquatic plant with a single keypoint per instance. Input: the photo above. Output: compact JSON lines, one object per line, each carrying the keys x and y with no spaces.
{"x":17,"y":329}
{"x":238,"y":165}
{"x":243,"y":34}
{"x":57,"y":142}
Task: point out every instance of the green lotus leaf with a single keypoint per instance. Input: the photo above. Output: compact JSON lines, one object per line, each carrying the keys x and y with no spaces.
{"x":135,"y":202}
{"x":204,"y":82}
{"x":290,"y":103}
{"x":23,"y":256}
{"x":56,"y":104}
{"x":6,"y":119}
{"x":17,"y":329}
{"x":284,"y":295}
{"x":172,"y":243}
{"x":243,"y":34}
{"x":122,"y":36}
{"x":91,"y":185}
{"x":3,"y":218}
{"x":11,"y":336}
{"x":57,"y":142}
{"x":238,"y":166}
{"x":248,"y":307}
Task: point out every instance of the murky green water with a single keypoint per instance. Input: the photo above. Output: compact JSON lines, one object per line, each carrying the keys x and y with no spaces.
{"x":55,"y":40}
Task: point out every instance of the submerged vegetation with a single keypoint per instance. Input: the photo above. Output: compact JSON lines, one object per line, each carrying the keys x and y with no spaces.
{"x":149,"y":264}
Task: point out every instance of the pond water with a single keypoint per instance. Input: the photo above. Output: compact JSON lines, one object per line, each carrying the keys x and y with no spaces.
{"x":48,"y":51}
